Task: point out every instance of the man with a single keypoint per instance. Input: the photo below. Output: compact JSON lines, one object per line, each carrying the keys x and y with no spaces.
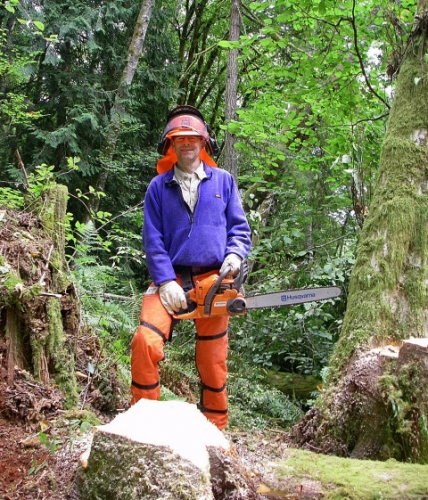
{"x":194,"y":226}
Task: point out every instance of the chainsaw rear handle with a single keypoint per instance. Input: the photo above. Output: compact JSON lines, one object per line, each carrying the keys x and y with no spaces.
{"x":214,"y":289}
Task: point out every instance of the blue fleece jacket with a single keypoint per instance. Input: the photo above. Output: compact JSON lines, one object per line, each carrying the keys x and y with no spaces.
{"x":174,"y":236}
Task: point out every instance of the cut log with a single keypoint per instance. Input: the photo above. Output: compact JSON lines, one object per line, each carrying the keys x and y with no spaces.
{"x":157,"y":449}
{"x":384,"y":390}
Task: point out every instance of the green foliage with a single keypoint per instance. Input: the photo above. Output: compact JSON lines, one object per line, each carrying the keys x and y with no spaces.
{"x":110,"y":311}
{"x":51,"y":443}
{"x":41,"y":179}
{"x":11,"y":198}
{"x":254,"y":405}
{"x":251,"y":403}
{"x":15,"y":109}
{"x":300,"y":338}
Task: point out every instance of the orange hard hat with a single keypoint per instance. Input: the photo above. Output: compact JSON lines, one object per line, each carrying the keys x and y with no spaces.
{"x":186,"y":120}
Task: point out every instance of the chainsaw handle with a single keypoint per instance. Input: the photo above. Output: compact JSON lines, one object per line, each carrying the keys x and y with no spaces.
{"x":214,"y":289}
{"x":192,"y":301}
{"x":191,"y":306}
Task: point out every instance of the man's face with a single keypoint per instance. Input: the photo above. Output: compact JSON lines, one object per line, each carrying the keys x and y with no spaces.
{"x":187,"y":148}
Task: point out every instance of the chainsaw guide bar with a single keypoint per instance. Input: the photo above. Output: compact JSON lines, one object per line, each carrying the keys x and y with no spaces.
{"x":292,"y":297}
{"x":220,"y":295}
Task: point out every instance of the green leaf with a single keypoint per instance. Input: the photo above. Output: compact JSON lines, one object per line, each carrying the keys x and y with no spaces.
{"x":39,"y":25}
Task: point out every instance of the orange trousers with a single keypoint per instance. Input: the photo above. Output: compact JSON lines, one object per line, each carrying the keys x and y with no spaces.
{"x":147,"y":351}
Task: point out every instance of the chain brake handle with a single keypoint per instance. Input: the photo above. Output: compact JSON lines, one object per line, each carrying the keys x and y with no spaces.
{"x":242,"y":276}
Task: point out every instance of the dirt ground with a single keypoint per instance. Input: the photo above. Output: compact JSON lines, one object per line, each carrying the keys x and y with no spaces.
{"x":39,"y":448}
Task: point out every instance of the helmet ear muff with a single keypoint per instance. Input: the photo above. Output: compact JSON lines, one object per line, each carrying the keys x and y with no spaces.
{"x":211,"y":144}
{"x":163,"y":144}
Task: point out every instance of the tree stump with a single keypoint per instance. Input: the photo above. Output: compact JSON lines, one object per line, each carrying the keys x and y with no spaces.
{"x":159,"y":449}
{"x":379,"y":410}
{"x":38,"y":304}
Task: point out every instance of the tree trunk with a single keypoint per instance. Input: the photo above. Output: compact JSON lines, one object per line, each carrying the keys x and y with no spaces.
{"x":231,"y":155}
{"x":134,"y":54}
{"x":388,"y":291}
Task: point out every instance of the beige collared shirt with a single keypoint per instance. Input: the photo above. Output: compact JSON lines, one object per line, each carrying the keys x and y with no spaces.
{"x":189,"y":184}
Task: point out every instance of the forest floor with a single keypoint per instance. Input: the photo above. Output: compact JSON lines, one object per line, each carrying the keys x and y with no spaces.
{"x":41,"y":443}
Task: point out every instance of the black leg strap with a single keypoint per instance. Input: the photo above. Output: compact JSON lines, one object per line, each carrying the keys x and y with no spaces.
{"x":154,"y":329}
{"x":212,"y":389}
{"x":212,"y":337}
{"x":207,"y":410}
{"x":145,"y":387}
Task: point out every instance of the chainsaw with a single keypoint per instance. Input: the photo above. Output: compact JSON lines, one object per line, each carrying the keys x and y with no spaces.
{"x":222,"y":295}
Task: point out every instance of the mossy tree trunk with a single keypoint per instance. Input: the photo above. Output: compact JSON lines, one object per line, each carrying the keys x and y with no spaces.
{"x":388,"y":303}
{"x":38,"y":303}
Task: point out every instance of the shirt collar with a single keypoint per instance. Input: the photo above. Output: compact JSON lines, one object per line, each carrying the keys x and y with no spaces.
{"x":179,"y":175}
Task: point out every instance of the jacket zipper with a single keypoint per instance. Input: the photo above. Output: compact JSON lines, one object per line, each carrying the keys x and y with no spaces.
{"x":192,"y":214}
{"x":188,"y":209}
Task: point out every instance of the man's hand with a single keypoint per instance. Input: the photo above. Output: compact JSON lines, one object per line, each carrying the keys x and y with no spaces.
{"x":233,"y":262}
{"x":172,"y":296}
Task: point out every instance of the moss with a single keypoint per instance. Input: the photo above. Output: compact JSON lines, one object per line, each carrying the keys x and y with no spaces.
{"x":58,"y":352}
{"x":56,"y":334}
{"x":405,"y":396}
{"x":53,"y":216}
{"x":344,"y":478}
{"x":37,"y":342}
{"x":293,"y":384}
{"x":86,"y":416}
{"x":11,"y":281}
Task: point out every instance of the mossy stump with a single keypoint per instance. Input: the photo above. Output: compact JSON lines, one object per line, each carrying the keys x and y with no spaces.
{"x":37,"y":299}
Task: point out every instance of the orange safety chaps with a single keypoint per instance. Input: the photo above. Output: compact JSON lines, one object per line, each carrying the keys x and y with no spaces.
{"x":148,"y":344}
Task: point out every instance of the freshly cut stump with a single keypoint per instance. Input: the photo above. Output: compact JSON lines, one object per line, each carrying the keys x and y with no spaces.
{"x":155,"y":450}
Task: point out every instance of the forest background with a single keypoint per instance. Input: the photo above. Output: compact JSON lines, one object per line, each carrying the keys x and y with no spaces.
{"x":302,"y":132}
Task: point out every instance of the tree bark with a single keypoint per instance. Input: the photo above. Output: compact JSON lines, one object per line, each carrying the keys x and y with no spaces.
{"x":231,"y":155}
{"x":388,"y":291}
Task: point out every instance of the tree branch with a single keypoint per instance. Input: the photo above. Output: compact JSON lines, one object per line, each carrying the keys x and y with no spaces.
{"x":360,"y":59}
